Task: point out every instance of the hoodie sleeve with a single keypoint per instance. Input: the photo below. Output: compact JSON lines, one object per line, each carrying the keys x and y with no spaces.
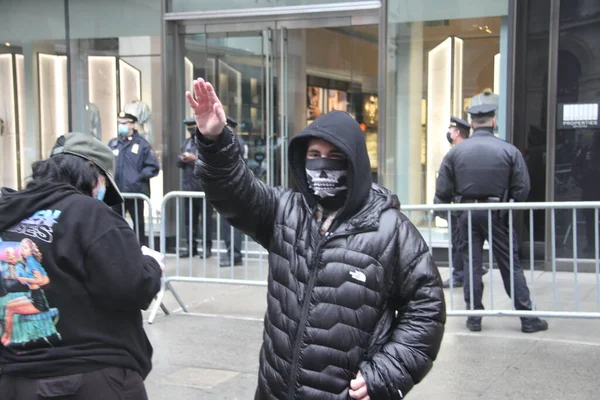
{"x":246,"y":202}
{"x":117,"y":274}
{"x":408,"y":355}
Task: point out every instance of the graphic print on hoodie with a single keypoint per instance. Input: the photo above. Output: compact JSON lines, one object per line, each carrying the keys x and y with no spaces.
{"x":25,"y":315}
{"x":65,"y":254}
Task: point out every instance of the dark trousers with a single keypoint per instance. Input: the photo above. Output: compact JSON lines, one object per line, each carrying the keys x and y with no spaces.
{"x":197,"y":211}
{"x":500,"y":246}
{"x":137,"y":215}
{"x":457,"y":248}
{"x":104,"y":384}
{"x":237,"y":239}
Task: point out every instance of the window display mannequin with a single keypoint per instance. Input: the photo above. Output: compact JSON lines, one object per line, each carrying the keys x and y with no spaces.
{"x":144,"y":115}
{"x":95,"y":122}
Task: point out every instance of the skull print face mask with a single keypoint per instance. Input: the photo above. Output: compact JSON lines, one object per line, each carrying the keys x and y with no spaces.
{"x":327,"y":177}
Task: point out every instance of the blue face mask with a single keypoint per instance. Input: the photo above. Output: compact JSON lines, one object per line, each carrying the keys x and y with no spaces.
{"x":101,"y":193}
{"x":123,"y":130}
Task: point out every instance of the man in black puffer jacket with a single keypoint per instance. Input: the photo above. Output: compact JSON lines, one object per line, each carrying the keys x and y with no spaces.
{"x":355,"y":305}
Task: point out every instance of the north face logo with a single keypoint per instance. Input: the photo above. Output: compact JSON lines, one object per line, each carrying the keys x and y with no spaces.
{"x":358,"y":275}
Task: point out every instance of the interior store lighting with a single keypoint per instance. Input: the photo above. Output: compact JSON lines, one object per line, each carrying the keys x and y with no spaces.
{"x":7,"y":44}
{"x":8,"y":140}
{"x":484,"y":28}
{"x":497,"y":69}
{"x":189,"y":74}
{"x":52,"y":75}
{"x":439,"y":96}
{"x":102,"y":78}
{"x":129,"y":83}
{"x":457,"y":84}
{"x":20,"y":63}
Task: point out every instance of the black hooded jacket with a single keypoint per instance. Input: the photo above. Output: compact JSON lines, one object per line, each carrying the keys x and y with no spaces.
{"x":365,"y":296}
{"x":86,"y":315}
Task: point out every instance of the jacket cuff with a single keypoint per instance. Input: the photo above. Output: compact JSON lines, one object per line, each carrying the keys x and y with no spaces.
{"x":213,"y":146}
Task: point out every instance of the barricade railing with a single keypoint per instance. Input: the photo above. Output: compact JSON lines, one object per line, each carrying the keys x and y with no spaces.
{"x":541,"y":304}
{"x":251,"y":270}
{"x":546,"y":302}
{"x":138,"y":210}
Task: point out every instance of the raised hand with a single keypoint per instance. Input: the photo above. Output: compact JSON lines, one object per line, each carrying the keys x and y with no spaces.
{"x":208,"y":110}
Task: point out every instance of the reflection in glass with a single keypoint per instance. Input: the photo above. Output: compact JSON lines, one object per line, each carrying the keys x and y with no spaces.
{"x":578,"y":129}
{"x":439,"y":64}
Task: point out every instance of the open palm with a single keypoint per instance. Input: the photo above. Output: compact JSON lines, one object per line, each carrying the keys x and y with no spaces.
{"x":208,"y":110}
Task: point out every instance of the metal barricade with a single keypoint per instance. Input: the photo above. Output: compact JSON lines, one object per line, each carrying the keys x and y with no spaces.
{"x":138,"y":210}
{"x":252,"y":270}
{"x":545,"y":303}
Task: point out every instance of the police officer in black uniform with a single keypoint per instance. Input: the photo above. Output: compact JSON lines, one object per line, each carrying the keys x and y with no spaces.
{"x":485,"y":169}
{"x":186,"y":161}
{"x":458,"y":131}
{"x":135,"y":164}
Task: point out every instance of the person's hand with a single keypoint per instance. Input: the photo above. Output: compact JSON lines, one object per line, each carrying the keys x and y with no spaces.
{"x":156,"y":255}
{"x":188,"y":157}
{"x":358,"y":388}
{"x":208,"y":110}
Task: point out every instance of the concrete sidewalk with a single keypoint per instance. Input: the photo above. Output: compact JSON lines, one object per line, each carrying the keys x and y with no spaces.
{"x":212,"y":352}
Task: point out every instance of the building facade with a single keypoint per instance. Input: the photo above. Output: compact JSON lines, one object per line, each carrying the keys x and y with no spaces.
{"x":400,"y":67}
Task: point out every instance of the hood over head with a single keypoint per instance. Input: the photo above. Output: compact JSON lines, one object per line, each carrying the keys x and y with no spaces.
{"x":342,"y":131}
{"x":17,"y":206}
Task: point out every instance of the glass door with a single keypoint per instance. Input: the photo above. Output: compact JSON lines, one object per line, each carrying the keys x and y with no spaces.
{"x":239,"y":64}
{"x":275,"y":78}
{"x":323,"y":65}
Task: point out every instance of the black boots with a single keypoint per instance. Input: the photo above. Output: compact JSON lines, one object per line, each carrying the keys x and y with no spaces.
{"x":528,"y":325}
{"x":474,"y":324}
{"x":532,"y":325}
{"x":455,"y":284}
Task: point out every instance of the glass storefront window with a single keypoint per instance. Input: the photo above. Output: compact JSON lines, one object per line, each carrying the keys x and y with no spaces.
{"x":116,"y":66}
{"x":577,"y":153}
{"x":443,"y":56}
{"x":32,"y":64}
{"x":530,"y":116}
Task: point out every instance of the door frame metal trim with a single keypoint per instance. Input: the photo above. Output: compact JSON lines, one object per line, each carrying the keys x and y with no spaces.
{"x":284,"y":12}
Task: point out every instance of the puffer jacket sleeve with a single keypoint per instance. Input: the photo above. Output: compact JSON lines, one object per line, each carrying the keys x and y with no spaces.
{"x":415,"y":340}
{"x":247,"y":203}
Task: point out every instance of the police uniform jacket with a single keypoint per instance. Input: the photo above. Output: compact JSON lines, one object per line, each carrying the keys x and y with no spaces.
{"x":365,"y":296}
{"x":483,"y":167}
{"x":135,"y":163}
{"x":190,"y":182}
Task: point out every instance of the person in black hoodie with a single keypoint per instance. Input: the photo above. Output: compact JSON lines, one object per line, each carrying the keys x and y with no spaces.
{"x":73,"y":281}
{"x":355,"y":304}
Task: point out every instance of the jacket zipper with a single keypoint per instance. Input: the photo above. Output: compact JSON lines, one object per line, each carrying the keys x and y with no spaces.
{"x":303,"y":315}
{"x":306,"y":305}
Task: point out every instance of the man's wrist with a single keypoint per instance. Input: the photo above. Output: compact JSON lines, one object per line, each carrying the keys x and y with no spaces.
{"x":214,"y":144}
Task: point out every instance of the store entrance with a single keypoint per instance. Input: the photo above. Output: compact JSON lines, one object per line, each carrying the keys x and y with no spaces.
{"x":275,"y":78}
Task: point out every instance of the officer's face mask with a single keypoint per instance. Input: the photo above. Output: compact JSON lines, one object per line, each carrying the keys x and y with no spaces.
{"x":327,"y":177}
{"x":123,"y":129}
{"x":449,"y":137}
